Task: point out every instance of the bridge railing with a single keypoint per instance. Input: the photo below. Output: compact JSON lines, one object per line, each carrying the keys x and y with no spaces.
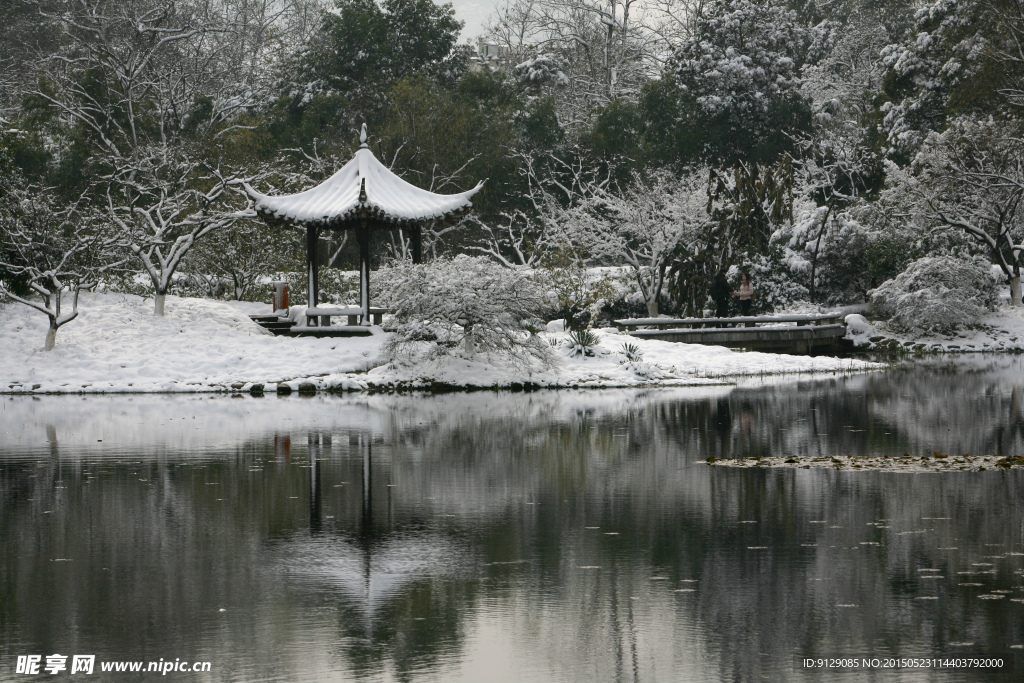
{"x":800,"y":320}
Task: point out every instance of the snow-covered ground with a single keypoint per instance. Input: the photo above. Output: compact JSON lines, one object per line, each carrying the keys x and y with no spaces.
{"x":118,"y":345}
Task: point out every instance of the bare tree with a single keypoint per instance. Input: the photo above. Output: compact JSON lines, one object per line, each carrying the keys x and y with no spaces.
{"x":159,"y":211}
{"x":554,"y":187}
{"x":643,"y":225}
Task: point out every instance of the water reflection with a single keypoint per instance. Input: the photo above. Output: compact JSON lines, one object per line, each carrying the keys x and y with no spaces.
{"x":544,"y":536}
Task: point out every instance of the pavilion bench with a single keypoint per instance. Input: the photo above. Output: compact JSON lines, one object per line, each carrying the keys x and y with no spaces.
{"x":320,"y":316}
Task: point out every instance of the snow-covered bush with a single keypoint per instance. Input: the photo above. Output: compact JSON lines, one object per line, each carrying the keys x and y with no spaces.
{"x":576,"y":293}
{"x":464,"y":301}
{"x":936,"y":293}
{"x":774,"y":284}
{"x":582,"y":342}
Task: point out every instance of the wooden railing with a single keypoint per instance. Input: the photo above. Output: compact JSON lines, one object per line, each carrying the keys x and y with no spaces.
{"x":730,"y":323}
{"x":787,"y":333}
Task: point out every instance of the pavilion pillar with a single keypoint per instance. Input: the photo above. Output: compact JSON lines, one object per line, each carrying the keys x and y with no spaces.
{"x":363,"y":235}
{"x":416,"y":243}
{"x":313,"y":280}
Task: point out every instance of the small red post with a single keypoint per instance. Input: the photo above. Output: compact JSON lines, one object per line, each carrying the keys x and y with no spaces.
{"x":280,"y":296}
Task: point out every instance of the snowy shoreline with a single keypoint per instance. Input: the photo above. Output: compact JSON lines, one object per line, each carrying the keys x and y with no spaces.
{"x":118,"y":346}
{"x":1000,"y":331}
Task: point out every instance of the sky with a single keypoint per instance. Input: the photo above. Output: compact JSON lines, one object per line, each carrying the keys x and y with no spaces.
{"x":474,"y":13}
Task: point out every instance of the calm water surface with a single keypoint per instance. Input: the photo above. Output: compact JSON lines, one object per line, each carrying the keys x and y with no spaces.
{"x":550,"y":536}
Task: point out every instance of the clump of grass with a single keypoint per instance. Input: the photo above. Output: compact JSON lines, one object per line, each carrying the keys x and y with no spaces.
{"x":582,"y":342}
{"x":632,"y":352}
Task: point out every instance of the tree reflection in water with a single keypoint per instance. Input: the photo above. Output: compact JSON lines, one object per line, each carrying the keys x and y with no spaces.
{"x":538,"y":536}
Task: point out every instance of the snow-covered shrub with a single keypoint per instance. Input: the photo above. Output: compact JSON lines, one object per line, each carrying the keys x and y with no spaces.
{"x":632,"y":353}
{"x":582,"y":342}
{"x":463,"y":301}
{"x":577,"y":292}
{"x":936,"y":293}
{"x":774,"y":285}
{"x":633,"y":360}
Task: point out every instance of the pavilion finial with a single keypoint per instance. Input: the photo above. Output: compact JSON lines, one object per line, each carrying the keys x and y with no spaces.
{"x":362,"y":137}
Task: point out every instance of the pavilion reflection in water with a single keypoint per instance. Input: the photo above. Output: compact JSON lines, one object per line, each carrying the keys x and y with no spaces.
{"x":378,"y":563}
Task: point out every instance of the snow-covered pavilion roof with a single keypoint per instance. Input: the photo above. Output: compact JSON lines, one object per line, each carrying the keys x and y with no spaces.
{"x":362,"y":187}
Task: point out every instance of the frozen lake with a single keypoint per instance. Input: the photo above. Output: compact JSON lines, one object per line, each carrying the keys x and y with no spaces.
{"x":547,"y":536}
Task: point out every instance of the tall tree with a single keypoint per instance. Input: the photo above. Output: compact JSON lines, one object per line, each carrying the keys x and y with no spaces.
{"x":943,"y":67}
{"x":363,"y":47}
{"x":741,"y":73}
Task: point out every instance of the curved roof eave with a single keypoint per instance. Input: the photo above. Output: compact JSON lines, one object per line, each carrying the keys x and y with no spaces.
{"x":364,"y":187}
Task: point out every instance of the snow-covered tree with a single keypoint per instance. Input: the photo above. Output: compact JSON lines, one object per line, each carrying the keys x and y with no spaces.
{"x":836,"y":168}
{"x":45,"y":259}
{"x":232,"y":263}
{"x":972,"y":179}
{"x":361,"y":47}
{"x":133,"y":73}
{"x":554,"y":186}
{"x":742,"y":69}
{"x":464,"y":301}
{"x":842,"y":81}
{"x":145,"y":92}
{"x":941,"y":64}
{"x":587,"y":54}
{"x":643,"y":225}
{"x":161,"y":205}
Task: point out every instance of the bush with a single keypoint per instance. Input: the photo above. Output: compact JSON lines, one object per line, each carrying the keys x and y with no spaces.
{"x":575,"y":292}
{"x":774,"y":284}
{"x":936,"y":294}
{"x":464,"y":301}
{"x":629,"y":306}
{"x":582,"y":342}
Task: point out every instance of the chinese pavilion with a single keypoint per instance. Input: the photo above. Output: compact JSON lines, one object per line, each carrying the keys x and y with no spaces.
{"x":363,"y":195}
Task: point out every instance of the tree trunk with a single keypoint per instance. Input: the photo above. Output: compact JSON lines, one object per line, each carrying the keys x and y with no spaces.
{"x":51,"y":337}
{"x":158,"y":304}
{"x":814,"y":260}
{"x":470,"y":342}
{"x":652,"y":308}
{"x":1015,"y":291}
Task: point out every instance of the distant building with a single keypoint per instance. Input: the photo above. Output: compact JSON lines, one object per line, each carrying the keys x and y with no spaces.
{"x":487,"y":56}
